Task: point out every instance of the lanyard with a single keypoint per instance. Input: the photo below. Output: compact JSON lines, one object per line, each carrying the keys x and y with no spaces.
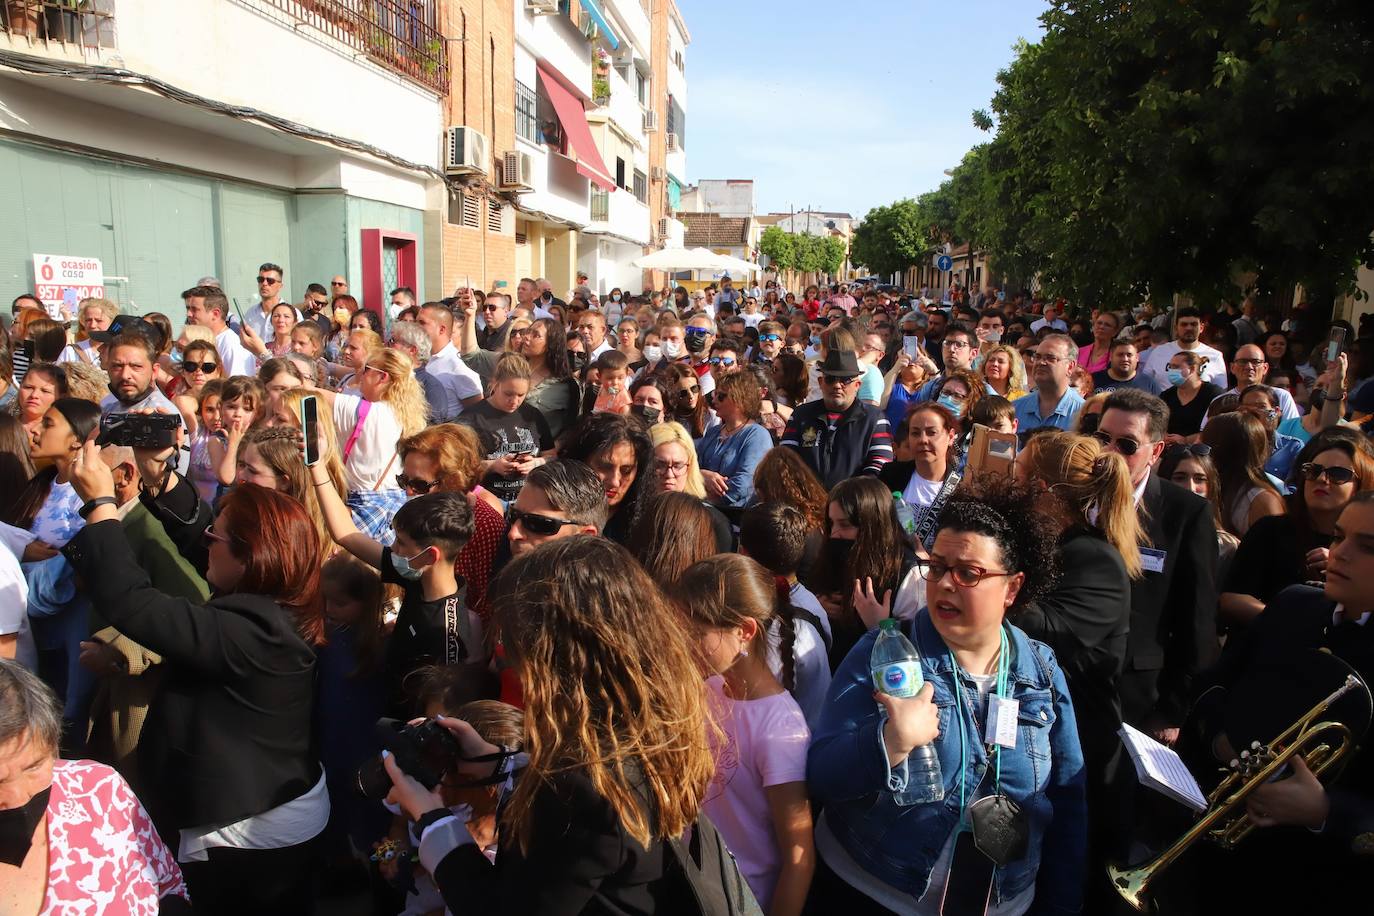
{"x":1001,"y":691}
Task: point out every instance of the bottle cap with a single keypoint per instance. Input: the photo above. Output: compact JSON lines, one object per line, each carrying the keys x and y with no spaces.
{"x":889,"y":623}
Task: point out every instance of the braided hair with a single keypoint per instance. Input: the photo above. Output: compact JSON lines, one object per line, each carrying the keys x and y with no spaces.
{"x":787,"y":629}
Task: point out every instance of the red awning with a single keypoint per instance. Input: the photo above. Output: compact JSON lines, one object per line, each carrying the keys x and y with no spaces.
{"x":574,"y":120}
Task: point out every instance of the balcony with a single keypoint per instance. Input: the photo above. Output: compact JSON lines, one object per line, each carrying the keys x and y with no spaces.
{"x":601,"y":205}
{"x":398,"y":35}
{"x":80,"y":23}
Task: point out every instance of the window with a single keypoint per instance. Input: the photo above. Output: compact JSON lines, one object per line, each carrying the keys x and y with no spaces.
{"x":466,"y":211}
{"x":496,"y":217}
{"x":641,"y":88}
{"x":601,"y":205}
{"x":641,"y":187}
{"x":526,"y":119}
{"x":620,"y":173}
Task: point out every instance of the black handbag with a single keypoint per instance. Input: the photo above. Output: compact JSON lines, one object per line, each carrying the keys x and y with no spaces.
{"x":711,"y":874}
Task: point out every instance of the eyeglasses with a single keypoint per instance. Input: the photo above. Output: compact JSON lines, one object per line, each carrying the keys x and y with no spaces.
{"x":1314,"y":472}
{"x":270,"y":281}
{"x":839,"y":379}
{"x":415,"y":483}
{"x":1194,"y":450}
{"x":375,"y":369}
{"x":954,"y":344}
{"x":337,"y":283}
{"x":722,"y":360}
{"x":763,"y":337}
{"x":207,"y":368}
{"x":670,"y":468}
{"x":965,"y":575}
{"x":210,"y":534}
{"x":1123,"y":445}
{"x":1048,"y":358}
{"x":542,"y":525}
{"x":1247,"y":362}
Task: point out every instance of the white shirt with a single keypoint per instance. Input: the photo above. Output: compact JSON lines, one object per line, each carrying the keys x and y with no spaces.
{"x":1158,"y":363}
{"x":605,"y":346}
{"x":74,"y":353}
{"x":1057,"y":324}
{"x":14,"y":595}
{"x":233,"y":356}
{"x":455,"y":378}
{"x":375,"y":449}
{"x":285,"y":825}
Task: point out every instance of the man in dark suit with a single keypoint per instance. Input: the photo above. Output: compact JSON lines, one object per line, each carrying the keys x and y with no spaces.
{"x":1173,"y":603}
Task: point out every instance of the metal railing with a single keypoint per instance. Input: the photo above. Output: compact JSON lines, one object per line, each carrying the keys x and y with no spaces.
{"x":86,"y":23}
{"x":400,"y":35}
{"x":601,"y":205}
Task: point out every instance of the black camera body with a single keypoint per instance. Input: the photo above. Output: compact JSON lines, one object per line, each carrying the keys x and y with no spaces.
{"x":423,"y":751}
{"x":139,"y":430}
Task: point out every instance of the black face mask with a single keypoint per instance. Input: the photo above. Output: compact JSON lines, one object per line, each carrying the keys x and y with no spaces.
{"x":17,"y":827}
{"x":839,"y":552}
{"x":696,"y":343}
{"x":650,"y":415}
{"x":577,"y":360}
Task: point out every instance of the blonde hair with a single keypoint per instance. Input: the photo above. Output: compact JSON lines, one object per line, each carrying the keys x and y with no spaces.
{"x":510,"y":367}
{"x":1016,"y":378}
{"x":200,"y":332}
{"x":290,"y":400}
{"x":371,"y":340}
{"x":403,"y":393}
{"x":1083,"y":476}
{"x":87,"y":381}
{"x":280,"y":448}
{"x":662,"y":434}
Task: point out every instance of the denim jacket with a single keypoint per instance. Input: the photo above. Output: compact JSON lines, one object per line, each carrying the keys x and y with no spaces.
{"x":847,"y":769}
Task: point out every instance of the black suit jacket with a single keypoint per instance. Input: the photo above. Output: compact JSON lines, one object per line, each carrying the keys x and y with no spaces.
{"x":1173,"y":612}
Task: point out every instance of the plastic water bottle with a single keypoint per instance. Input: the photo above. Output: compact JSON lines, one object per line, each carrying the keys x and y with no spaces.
{"x":906,"y":518}
{"x":896,"y":670}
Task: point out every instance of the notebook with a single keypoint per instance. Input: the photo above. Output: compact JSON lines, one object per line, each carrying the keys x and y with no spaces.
{"x":1161,"y":769}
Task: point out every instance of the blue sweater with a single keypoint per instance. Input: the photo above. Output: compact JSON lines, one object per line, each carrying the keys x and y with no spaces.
{"x":735,"y":458}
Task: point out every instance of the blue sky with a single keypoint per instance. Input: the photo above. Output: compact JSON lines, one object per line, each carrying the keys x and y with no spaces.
{"x":842,"y":105}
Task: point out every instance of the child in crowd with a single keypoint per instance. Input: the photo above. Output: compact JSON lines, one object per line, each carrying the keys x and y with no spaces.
{"x":435,"y":624}
{"x":994,"y":412}
{"x":515,"y":438}
{"x":307,"y":339}
{"x":241,"y":404}
{"x":350,"y":697}
{"x":612,"y":375}
{"x":210,"y":428}
{"x":758,"y":799}
{"x":774,"y":535}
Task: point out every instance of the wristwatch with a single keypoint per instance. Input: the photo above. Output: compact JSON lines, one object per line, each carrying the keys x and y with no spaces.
{"x":91,"y":505}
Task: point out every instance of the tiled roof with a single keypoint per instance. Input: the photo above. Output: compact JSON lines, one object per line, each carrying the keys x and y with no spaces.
{"x":706,"y":230}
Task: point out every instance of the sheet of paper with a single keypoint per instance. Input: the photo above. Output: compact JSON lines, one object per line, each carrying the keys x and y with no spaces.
{"x":1162,"y":766}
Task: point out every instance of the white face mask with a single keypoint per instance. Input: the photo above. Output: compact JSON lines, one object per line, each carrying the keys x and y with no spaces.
{"x":672,"y":349}
{"x":653,"y":353}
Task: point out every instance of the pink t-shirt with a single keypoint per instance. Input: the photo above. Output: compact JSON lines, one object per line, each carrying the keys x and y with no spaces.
{"x":764,"y":745}
{"x":1086,"y":353}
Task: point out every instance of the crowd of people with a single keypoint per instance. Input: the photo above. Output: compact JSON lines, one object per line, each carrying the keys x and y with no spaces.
{"x":507,"y":604}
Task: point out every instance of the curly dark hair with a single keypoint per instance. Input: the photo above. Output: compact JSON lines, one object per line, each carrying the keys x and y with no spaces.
{"x":599,"y":432}
{"x":1008,"y":513}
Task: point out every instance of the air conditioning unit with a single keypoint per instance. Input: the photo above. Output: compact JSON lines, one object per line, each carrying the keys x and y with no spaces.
{"x":465,"y":150}
{"x":660,"y":173}
{"x":541,"y":7}
{"x":650,"y":121}
{"x":663,"y":224}
{"x":517,"y":171}
{"x":673,"y":144}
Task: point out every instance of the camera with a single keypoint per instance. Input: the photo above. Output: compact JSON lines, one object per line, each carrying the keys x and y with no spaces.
{"x":139,"y":430}
{"x":422,"y":751}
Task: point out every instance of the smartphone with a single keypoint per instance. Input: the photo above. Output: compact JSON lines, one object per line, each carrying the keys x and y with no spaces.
{"x":994,"y":337}
{"x":239,"y":309}
{"x":992,"y":451}
{"x":310,"y":428}
{"x":1335,"y":344}
{"x":912,"y":346}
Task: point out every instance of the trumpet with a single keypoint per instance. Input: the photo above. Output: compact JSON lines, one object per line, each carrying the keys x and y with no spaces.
{"x":1321,"y":745}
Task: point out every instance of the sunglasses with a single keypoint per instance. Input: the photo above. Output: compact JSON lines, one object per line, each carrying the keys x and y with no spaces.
{"x":1123,"y":445}
{"x":210,"y":534}
{"x":688,"y":392}
{"x":271,"y":281}
{"x":697,"y":332}
{"x":1195,"y":450}
{"x":763,"y":337}
{"x":415,"y":483}
{"x":207,"y":368}
{"x":1314,"y":472}
{"x":840,"y":379}
{"x":542,"y":525}
{"x":337,"y":283}
{"x":722,"y":360}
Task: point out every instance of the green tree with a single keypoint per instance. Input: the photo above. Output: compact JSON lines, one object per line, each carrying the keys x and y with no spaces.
{"x":1168,"y":146}
{"x":891,"y":238}
{"x":810,"y":253}
{"x":832,"y":252}
{"x":780,"y":248}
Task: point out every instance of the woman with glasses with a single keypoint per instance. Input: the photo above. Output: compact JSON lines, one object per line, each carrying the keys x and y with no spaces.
{"x":1093,"y":357}
{"x":1191,"y":467}
{"x":619,"y":452}
{"x":1283,"y":450}
{"x":627,"y":342}
{"x":1187,"y":397}
{"x":199,"y":364}
{"x":1289,"y":549}
{"x":553,"y":390}
{"x":1240,"y":446}
{"x":881,"y":852}
{"x":232,"y":743}
{"x":959,"y":391}
{"x":1089,"y":502}
{"x":688,"y":406}
{"x":675,"y":470}
{"x":731,"y":449}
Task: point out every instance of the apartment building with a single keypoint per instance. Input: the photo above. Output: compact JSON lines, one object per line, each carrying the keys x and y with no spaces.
{"x":159,"y":142}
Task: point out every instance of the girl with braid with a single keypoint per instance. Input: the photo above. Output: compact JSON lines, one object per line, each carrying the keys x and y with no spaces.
{"x":758,"y":799}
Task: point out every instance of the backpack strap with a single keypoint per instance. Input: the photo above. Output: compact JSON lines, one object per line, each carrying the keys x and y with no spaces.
{"x":364,"y":407}
{"x":801,"y":613}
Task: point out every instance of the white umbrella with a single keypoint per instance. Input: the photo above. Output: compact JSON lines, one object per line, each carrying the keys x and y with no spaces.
{"x":681,"y":259}
{"x":740,"y":266}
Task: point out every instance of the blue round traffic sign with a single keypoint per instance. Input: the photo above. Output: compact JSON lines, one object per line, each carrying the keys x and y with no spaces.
{"x":944,"y":262}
